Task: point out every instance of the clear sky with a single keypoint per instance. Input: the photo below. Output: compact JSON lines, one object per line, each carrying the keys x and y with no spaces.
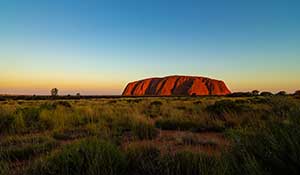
{"x":96,"y":47}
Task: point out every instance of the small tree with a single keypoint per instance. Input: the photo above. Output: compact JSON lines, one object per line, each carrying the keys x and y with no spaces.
{"x":255,"y":92}
{"x":281,"y":93}
{"x":266,"y":93}
{"x":297,"y":93}
{"x":78,"y":94}
{"x":54,"y":92}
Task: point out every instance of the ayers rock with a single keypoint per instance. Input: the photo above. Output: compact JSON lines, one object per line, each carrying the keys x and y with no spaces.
{"x":176,"y":86}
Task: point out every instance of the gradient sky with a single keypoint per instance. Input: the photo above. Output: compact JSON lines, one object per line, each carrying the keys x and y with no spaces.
{"x":96,"y":47}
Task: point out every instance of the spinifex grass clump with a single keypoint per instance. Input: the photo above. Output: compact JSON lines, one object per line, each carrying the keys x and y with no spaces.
{"x":272,"y":150}
{"x":283,"y":107}
{"x":227,"y":106}
{"x":153,"y":109}
{"x":7,"y":119}
{"x":190,"y":123}
{"x":144,"y":129}
{"x":19,"y":148}
{"x":148,"y":160}
{"x":31,"y":117}
{"x":175,"y":123}
{"x":189,"y":163}
{"x":143,"y":159}
{"x":87,"y":157}
{"x":191,"y":139}
{"x":55,"y":104}
{"x":75,"y":133}
{"x":4,"y":165}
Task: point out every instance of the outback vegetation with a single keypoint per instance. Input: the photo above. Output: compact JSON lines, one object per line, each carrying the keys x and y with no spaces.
{"x":259,"y":134}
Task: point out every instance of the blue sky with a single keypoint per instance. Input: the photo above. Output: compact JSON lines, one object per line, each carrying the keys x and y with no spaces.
{"x":96,"y":47}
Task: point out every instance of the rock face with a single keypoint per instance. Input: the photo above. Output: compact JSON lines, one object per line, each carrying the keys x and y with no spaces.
{"x":176,"y":86}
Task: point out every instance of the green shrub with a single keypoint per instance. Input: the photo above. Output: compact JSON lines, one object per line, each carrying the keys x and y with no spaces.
{"x":297,"y":93}
{"x":189,"y":163}
{"x":47,"y":120}
{"x":121,"y":124}
{"x":54,"y":105}
{"x":133,"y":100}
{"x":6,"y":122}
{"x":281,"y":93}
{"x":196,"y":124}
{"x":59,"y":118}
{"x":284,"y":107}
{"x":65,"y":104}
{"x":87,"y":157}
{"x":197,"y":102}
{"x":76,"y":133}
{"x":156,"y":103}
{"x":259,"y":100}
{"x":48,"y":106}
{"x":31,"y":117}
{"x":147,"y":159}
{"x":273,"y":150}
{"x":266,"y":93}
{"x":143,"y":129}
{"x":175,"y":123}
{"x":192,"y":139}
{"x":19,"y":148}
{"x":153,"y":110}
{"x":4,"y":163}
{"x":7,"y":114}
{"x":4,"y":167}
{"x":226,"y":106}
{"x":18,"y":125}
{"x":143,"y":159}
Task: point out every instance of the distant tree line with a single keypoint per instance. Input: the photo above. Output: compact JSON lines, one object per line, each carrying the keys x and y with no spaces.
{"x":48,"y":97}
{"x":264,"y":93}
{"x":54,"y":95}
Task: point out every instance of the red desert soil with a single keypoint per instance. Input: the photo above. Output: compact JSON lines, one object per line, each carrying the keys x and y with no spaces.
{"x":176,"y":85}
{"x":174,"y":141}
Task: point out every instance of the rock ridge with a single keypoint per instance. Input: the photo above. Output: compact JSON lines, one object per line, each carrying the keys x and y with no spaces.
{"x":176,"y":85}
